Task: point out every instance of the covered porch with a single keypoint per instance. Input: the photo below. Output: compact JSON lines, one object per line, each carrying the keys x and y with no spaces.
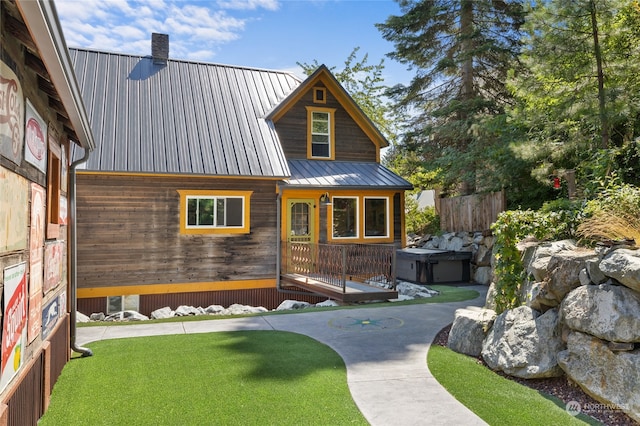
{"x":343,"y":272}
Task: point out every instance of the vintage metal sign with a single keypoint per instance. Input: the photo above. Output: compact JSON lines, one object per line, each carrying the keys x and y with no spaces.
{"x":50,"y":315}
{"x":35,"y":150}
{"x":53,"y":268}
{"x":11,"y":115}
{"x":14,"y":319}
{"x":14,"y":211}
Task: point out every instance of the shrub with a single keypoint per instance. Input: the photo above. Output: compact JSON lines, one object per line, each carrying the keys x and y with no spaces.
{"x":420,"y":221}
{"x":511,"y":227}
{"x":613,"y":215}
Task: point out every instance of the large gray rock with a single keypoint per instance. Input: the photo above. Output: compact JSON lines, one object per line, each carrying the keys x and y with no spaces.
{"x":469,"y":328}
{"x":592,"y":267}
{"x":162,"y":313}
{"x":609,"y":312}
{"x":490,"y":300}
{"x":523,"y":343}
{"x":563,"y":275}
{"x":483,"y":275}
{"x":482,"y":256}
{"x":536,"y":259}
{"x":623,"y":265}
{"x":610,"y":377}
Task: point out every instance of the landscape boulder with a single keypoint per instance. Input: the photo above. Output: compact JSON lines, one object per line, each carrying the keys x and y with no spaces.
{"x":612,"y":378}
{"x":287,"y":305}
{"x":609,"y":312}
{"x":563,"y":275}
{"x":536,"y":256}
{"x":523,"y":343}
{"x":469,"y":328}
{"x":623,"y":265}
{"x":162,"y":313}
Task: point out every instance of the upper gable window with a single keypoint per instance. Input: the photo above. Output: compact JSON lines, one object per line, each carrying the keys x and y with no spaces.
{"x":320,"y":133}
{"x":319,"y":95}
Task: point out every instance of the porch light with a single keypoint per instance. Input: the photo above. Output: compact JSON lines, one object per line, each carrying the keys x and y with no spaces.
{"x":325,"y":200}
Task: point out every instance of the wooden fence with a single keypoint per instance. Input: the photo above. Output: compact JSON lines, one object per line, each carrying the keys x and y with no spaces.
{"x":471,"y":212}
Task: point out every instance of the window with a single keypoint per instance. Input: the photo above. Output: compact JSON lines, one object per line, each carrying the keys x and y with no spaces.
{"x":361,"y":218}
{"x":320,"y":144}
{"x":376,"y":214}
{"x":123,"y":303}
{"x":345,"y":217}
{"x":204,"y":212}
{"x":53,"y":190}
{"x":319,"y":95}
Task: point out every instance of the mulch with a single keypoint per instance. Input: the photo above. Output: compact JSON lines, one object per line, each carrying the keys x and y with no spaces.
{"x":561,"y":388}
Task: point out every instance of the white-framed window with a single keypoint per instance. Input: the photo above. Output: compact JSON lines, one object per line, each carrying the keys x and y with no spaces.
{"x":376,"y":217}
{"x":215,"y":212}
{"x":123,"y":303}
{"x":345,"y":217}
{"x":320,"y":133}
{"x":204,"y":211}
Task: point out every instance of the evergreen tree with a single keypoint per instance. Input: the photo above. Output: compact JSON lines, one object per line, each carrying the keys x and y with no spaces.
{"x":461,"y":52}
{"x":579,"y":94}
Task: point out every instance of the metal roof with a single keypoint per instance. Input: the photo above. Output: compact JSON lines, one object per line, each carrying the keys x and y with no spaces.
{"x":181,"y":117}
{"x":343,"y":174}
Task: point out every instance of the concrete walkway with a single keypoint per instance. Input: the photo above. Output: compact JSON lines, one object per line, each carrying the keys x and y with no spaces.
{"x":384,"y":349}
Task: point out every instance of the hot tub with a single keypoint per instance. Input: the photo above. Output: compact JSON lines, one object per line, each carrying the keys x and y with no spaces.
{"x":430,"y":266}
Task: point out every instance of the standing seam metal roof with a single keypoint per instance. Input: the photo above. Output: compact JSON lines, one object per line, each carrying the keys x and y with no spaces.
{"x":181,"y":117}
{"x":343,"y":175}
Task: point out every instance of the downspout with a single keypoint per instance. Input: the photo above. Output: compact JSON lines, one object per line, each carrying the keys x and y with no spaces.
{"x":73,"y":239}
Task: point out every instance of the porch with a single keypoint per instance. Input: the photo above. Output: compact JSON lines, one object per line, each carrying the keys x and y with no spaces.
{"x":343,"y":272}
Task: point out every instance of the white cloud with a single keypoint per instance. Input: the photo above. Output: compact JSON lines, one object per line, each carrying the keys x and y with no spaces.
{"x":196,"y":29}
{"x":249,"y":4}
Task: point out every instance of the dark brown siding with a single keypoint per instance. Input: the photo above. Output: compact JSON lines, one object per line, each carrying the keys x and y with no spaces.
{"x":352,"y":144}
{"x":269,"y":298}
{"x":129,"y":233}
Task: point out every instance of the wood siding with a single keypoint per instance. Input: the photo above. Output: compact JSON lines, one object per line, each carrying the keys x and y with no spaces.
{"x":351,"y":143}
{"x":129,"y":233}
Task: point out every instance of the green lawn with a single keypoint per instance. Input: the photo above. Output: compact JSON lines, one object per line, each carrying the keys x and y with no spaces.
{"x":244,"y":377}
{"x":497,"y":400}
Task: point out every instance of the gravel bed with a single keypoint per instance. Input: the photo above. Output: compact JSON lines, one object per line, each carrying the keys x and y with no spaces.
{"x":563,"y":389}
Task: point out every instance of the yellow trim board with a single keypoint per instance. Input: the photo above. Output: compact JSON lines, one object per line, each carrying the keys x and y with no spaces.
{"x":125,"y":290}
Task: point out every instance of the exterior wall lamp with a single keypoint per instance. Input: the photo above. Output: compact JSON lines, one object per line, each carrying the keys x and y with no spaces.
{"x":325,"y":200}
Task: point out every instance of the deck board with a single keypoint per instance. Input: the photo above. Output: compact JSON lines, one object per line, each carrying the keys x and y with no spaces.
{"x":354,"y":291}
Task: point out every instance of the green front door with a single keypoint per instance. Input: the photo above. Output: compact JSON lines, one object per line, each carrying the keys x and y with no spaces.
{"x":300,"y":221}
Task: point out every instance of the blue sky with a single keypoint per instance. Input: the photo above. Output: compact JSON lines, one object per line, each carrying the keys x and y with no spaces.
{"x":273,"y":34}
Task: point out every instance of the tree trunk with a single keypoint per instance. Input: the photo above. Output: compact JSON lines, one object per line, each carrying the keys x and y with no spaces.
{"x":604,"y":122}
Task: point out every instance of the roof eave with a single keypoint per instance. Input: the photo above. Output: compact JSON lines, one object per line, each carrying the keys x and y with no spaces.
{"x":42,"y":21}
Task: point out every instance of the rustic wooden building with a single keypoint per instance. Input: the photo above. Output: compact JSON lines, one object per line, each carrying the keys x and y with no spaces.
{"x":221,"y":184}
{"x":41,"y":116}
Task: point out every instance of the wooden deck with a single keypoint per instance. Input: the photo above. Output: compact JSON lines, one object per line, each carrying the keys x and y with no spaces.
{"x":354,"y":291}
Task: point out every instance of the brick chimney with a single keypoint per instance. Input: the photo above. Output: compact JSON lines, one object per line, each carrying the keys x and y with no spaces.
{"x":160,"y":48}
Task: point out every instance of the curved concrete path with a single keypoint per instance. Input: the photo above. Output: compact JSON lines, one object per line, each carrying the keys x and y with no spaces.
{"x":384,"y":350}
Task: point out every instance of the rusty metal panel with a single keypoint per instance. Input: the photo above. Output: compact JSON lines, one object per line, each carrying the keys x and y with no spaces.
{"x":24,"y":404}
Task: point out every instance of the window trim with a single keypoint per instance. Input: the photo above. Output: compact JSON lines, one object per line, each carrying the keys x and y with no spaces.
{"x":357,"y":218}
{"x":316,"y":99}
{"x":361,"y":238}
{"x":331,"y":113}
{"x":54,"y":170}
{"x":364,"y":217}
{"x":246,"y":206}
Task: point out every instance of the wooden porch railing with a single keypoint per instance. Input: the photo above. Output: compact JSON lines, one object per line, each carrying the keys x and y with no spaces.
{"x":336,"y":264}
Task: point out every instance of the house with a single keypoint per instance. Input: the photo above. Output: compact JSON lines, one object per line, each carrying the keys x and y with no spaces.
{"x":217,"y":184}
{"x":41,"y":117}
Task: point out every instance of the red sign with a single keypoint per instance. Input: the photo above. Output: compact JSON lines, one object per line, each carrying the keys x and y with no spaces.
{"x":14,"y":317}
{"x":35,"y":139}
